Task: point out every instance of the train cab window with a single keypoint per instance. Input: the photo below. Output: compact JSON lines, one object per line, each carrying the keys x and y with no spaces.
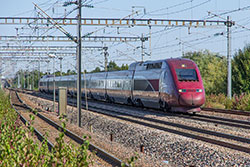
{"x":186,"y":74}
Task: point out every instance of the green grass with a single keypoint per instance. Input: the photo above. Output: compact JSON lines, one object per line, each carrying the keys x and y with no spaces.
{"x":238,"y":102}
{"x":18,"y":148}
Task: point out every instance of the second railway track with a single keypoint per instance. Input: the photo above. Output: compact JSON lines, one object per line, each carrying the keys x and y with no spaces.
{"x":52,"y":128}
{"x":199,"y":116}
{"x":218,"y":138}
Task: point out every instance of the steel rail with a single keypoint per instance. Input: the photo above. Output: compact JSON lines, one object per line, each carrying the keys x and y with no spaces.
{"x":194,"y":136}
{"x":226,"y":111}
{"x":202,"y":138}
{"x":212,"y":119}
{"x":223,"y":121}
{"x":40,"y":137}
{"x":199,"y":117}
{"x":98,"y":151}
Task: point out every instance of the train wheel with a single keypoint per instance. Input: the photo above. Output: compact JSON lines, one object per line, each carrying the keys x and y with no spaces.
{"x":107,"y":99}
{"x":161,"y":105}
{"x":90,"y":96}
{"x":139,"y":103}
{"x":130,"y":102}
{"x":167,"y":107}
{"x":112,"y":100}
{"x":164,"y":106}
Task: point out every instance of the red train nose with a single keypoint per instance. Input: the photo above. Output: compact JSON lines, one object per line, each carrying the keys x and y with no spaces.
{"x":191,"y":99}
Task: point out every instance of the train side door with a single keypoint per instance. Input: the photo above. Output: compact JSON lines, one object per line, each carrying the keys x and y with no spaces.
{"x":163,"y":86}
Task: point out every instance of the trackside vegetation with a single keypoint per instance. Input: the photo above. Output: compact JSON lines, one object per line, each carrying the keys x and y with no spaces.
{"x":19,"y":147}
{"x":213,"y":68}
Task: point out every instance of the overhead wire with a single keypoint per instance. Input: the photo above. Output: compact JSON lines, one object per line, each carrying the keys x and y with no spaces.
{"x":177,"y":12}
{"x":231,"y":11}
{"x":102,"y":1}
{"x":43,"y":4}
{"x":167,"y":8}
{"x":211,"y":37}
{"x":161,"y":32}
{"x":182,"y":10}
{"x":114,"y":9}
{"x":216,"y":15}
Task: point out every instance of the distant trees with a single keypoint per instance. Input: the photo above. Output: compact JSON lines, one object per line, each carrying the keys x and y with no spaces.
{"x":112,"y":66}
{"x":30,"y":78}
{"x":241,"y":71}
{"x":124,"y":67}
{"x":27,"y":78}
{"x":69,"y":72}
{"x":97,"y":69}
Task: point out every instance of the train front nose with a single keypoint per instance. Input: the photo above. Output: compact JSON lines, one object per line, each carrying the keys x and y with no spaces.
{"x":192,"y":99}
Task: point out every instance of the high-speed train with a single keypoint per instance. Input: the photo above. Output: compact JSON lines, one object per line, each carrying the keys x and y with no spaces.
{"x":171,"y":84}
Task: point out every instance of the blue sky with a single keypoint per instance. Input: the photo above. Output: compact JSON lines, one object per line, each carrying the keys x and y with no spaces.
{"x":166,"y":42}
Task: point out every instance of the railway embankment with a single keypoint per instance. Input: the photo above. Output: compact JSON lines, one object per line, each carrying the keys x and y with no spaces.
{"x":173,"y":149}
{"x":20,"y":147}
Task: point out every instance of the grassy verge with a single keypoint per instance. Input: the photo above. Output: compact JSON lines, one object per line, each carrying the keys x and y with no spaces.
{"x":17,"y":147}
{"x":238,"y":102}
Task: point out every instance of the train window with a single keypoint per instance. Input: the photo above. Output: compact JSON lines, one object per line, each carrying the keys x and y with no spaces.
{"x":186,"y":74}
{"x":154,"y":66}
{"x":126,"y":85}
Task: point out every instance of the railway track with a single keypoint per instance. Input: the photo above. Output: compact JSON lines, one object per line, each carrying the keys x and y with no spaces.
{"x":218,"y":138}
{"x":195,"y":133}
{"x":226,"y":111}
{"x":21,"y":108}
{"x":222,"y":121}
{"x":199,"y":116}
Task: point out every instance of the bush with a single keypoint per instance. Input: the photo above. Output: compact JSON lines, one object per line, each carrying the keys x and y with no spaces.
{"x":18,"y":148}
{"x":215,"y":101}
{"x":238,"y":102}
{"x":241,"y":102}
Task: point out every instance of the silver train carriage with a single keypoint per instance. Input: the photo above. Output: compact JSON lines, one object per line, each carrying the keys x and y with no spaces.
{"x":154,"y":84}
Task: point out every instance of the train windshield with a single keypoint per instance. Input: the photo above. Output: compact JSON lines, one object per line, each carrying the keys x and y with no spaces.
{"x":186,"y":74}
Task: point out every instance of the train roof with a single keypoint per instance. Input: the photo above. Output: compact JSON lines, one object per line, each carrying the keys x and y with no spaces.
{"x":57,"y":78}
{"x":178,"y":62}
{"x":147,"y":65}
{"x":157,"y":64}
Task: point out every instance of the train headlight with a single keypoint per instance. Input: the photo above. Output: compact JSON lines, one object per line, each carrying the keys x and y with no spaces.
{"x":198,"y":90}
{"x":182,"y":90}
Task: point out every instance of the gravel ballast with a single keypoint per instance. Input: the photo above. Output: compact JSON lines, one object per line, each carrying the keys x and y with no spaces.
{"x":160,"y":146}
